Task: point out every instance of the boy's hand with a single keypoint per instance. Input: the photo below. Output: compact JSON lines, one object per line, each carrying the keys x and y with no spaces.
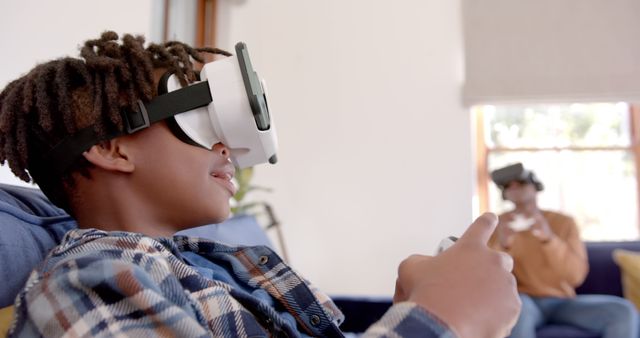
{"x":469,"y":286}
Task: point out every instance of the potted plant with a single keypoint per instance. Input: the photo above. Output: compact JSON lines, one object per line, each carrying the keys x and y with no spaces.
{"x":239,"y":206}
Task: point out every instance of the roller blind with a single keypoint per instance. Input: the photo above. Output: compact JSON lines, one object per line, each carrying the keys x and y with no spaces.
{"x":551,"y":50}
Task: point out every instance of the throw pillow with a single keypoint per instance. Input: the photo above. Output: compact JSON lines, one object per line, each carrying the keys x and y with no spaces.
{"x":629,"y":263}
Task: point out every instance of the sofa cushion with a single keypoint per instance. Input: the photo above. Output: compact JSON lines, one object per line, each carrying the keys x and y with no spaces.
{"x":30,"y":226}
{"x":629,"y":263}
{"x":564,"y":331}
{"x":237,"y":230}
{"x":604,"y":274}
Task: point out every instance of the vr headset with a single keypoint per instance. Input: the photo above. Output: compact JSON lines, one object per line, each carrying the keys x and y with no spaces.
{"x":228,"y":105}
{"x":515,"y":172}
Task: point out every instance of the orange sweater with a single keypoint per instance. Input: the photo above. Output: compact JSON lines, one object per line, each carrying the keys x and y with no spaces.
{"x":547,"y":269}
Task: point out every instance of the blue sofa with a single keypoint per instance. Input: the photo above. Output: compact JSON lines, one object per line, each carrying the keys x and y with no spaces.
{"x":603,"y":278}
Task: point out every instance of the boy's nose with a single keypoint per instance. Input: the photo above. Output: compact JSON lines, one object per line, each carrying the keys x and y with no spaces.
{"x":221,"y":149}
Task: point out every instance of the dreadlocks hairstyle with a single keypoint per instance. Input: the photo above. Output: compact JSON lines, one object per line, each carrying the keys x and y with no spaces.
{"x":58,"y":98}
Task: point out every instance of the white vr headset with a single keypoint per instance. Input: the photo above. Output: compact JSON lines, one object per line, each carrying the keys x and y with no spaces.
{"x":228,"y":105}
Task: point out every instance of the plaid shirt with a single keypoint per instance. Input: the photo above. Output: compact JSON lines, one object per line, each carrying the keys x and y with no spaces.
{"x":99,"y":284}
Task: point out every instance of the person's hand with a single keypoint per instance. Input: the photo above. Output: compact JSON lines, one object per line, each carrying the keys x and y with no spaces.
{"x":469,"y":286}
{"x":506,"y":235}
{"x":541,"y":229}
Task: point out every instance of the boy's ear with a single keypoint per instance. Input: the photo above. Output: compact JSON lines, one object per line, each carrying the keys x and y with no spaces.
{"x":110,"y":155}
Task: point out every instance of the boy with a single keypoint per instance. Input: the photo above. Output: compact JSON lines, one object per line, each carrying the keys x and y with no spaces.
{"x":122,"y":273}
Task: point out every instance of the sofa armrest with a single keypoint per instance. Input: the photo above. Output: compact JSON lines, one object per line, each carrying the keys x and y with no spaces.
{"x":360,"y":311}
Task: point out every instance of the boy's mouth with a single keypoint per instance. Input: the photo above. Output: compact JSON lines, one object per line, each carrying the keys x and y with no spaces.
{"x":223,"y":177}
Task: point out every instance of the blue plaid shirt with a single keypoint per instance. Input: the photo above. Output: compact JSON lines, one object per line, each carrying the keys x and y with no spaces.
{"x":103,"y":284}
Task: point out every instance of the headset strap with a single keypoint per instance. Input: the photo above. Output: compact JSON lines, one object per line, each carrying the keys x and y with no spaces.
{"x":63,"y":154}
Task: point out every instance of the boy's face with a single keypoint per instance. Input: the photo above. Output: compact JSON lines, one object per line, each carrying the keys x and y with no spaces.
{"x":185,"y":185}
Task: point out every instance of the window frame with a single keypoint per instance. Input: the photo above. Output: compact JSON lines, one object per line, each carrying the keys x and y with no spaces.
{"x":205,"y":24}
{"x":483,"y":152}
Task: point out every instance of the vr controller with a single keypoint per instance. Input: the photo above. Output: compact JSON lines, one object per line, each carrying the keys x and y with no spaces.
{"x":446,"y":243}
{"x":521,"y":223}
{"x":228,"y":105}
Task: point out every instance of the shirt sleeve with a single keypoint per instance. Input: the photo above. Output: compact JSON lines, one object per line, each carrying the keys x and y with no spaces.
{"x":99,"y":297}
{"x":407,"y":319}
{"x":566,"y":252}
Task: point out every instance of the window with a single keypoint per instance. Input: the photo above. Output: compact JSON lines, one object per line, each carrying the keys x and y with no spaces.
{"x":586,"y":155}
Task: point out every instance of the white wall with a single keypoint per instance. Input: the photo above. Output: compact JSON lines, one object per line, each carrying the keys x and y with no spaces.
{"x":375,"y":155}
{"x":33,"y":31}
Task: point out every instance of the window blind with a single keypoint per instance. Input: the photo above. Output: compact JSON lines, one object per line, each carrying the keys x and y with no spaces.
{"x":551,"y":51}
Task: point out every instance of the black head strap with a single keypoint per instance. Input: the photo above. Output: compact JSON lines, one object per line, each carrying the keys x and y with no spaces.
{"x":63,"y":154}
{"x":167,"y":105}
{"x":173,"y":125}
